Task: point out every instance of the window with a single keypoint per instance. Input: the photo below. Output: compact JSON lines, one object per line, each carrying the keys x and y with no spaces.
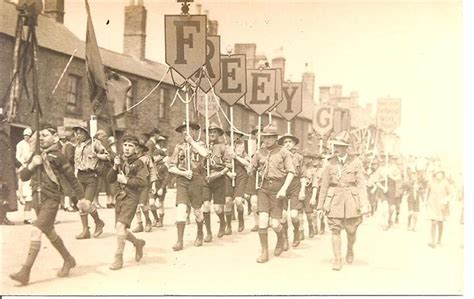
{"x":130,"y":101}
{"x":163,"y":103}
{"x":73,"y":99}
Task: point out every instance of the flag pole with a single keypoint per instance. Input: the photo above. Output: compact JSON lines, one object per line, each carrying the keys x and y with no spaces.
{"x":258,"y":147}
{"x":206,"y":103}
{"x":232,"y":140}
{"x":289,"y":127}
{"x":188,"y":158}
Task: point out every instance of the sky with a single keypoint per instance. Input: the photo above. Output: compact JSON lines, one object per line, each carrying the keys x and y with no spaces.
{"x":411,"y":50}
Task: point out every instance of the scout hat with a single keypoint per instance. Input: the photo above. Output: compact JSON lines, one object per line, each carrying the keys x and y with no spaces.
{"x":81,"y":127}
{"x":214,"y":126}
{"x":192,"y":125}
{"x":255,"y":130}
{"x":308,"y":153}
{"x":270,"y":130}
{"x":142,"y":144}
{"x":342,"y":138}
{"x":282,"y":138}
{"x":27,"y":132}
{"x":131,"y":138}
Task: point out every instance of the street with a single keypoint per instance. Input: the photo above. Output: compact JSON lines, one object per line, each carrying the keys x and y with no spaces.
{"x":386,"y":262}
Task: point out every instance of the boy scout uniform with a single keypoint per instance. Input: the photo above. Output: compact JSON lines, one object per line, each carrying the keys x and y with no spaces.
{"x":161,"y":183}
{"x":343,"y":196}
{"x":273,"y":164}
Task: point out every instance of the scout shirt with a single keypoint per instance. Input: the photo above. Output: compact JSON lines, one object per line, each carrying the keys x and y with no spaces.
{"x":179,"y":160}
{"x":218,"y":157}
{"x":83,"y":155}
{"x":55,"y":166}
{"x":162,"y":174}
{"x":343,"y":192}
{"x":298,"y":162}
{"x":150,"y":167}
{"x":239,"y":149}
{"x":135,"y":171}
{"x":274,"y":162}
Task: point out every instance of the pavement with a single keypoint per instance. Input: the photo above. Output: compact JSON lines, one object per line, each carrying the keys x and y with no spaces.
{"x":393,"y":262}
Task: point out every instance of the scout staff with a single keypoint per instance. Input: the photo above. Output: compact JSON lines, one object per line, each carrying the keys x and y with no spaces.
{"x":276,"y":167}
{"x":147,"y":192}
{"x":343,"y":196}
{"x":295,"y":193}
{"x":131,"y":175}
{"x":187,"y":162}
{"x":242,"y":161}
{"x":54,"y":169}
{"x":86,"y":158}
{"x":219,"y":162}
{"x":250,"y":190}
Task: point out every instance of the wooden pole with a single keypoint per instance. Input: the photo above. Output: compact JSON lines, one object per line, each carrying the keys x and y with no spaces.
{"x":206,"y":104}
{"x":232,"y":140}
{"x":288,"y":127}
{"x":188,"y":154}
{"x":33,"y":44}
{"x":258,"y":146}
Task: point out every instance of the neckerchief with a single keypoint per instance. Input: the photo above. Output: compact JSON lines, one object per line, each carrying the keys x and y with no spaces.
{"x":46,"y":165}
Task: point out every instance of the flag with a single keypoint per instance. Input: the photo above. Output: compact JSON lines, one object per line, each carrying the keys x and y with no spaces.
{"x":117,"y":88}
{"x":95,"y":69}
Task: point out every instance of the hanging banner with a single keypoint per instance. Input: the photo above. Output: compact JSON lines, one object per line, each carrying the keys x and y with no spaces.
{"x":213,"y":64}
{"x":388,"y":114}
{"x":323,"y":119}
{"x":212,"y":106}
{"x":278,"y":89}
{"x":233,"y":83}
{"x":261,"y":90}
{"x":292,"y":103}
{"x":185,"y":43}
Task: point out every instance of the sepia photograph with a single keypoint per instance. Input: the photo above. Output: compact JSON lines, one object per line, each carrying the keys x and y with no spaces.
{"x":233,"y":147}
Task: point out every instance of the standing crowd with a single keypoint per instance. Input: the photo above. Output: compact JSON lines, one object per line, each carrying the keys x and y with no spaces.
{"x":330,"y":190}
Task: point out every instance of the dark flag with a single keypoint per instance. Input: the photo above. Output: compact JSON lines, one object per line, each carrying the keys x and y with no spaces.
{"x":95,"y":69}
{"x":117,"y":88}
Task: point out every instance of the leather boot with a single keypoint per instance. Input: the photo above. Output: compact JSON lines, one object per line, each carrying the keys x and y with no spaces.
{"x":351,"y":238}
{"x":118,"y":262}
{"x":139,"y":244}
{"x":336,"y":249}
{"x":180,"y":228}
{"x":207,"y":222}
{"x":296,"y":234}
{"x":138,"y":228}
{"x":279,"y":245}
{"x":286,"y":244}
{"x":99,"y":224}
{"x":69,"y":261}
{"x":221,"y":232}
{"x":200,"y":234}
{"x":263,"y":235}
{"x":310,"y":228}
{"x":228,"y":227}
{"x":160,"y":220}
{"x":67,"y":266}
{"x":22,"y":276}
{"x":85,"y":234}
{"x":241,"y":220}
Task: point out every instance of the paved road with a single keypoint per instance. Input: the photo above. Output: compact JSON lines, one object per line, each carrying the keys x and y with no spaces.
{"x":386,"y":262}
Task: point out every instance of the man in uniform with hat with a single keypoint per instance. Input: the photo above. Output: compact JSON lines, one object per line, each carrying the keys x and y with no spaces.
{"x":296,"y":192}
{"x":87,"y":154}
{"x":343,"y":197}
{"x":54,"y":169}
{"x":241,"y":162}
{"x":23,"y":155}
{"x":159,"y":156}
{"x":219,"y":164}
{"x":149,"y":191}
{"x":187,"y":163}
{"x":131,"y":175}
{"x":276,"y":168}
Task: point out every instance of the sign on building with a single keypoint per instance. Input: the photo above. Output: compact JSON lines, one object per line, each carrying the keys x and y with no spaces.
{"x":323,"y":118}
{"x":261,"y":90}
{"x":185,"y":43}
{"x":292,"y":103}
{"x":213,"y":64}
{"x":233,"y":83}
{"x":388,"y":114}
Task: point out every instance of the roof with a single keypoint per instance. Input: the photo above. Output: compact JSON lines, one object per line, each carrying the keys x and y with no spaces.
{"x":57,"y":37}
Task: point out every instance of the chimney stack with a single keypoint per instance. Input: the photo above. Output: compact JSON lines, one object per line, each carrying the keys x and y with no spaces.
{"x":134,"y":35}
{"x":54,"y":9}
{"x":324,"y":94}
{"x":308,"y":87}
{"x":250,"y":51}
{"x":279,"y":63}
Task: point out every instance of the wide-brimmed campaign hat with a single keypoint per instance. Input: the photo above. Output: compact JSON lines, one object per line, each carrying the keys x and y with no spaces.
{"x":81,"y":127}
{"x":282,"y":139}
{"x":342,"y":138}
{"x":192,"y":125}
{"x":269,"y":130}
{"x":214,"y":126}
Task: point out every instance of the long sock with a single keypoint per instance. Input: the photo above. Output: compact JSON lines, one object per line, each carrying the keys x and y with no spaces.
{"x":131,"y":238}
{"x":221,"y":219}
{"x":228,"y":217}
{"x":255,"y":216}
{"x":32,"y":253}
{"x":440,"y":231}
{"x":155,"y":214}
{"x":309,"y":216}
{"x":162,"y":216}
{"x":301,"y":218}
{"x":120,"y":244}
{"x":147,"y":216}
{"x":285,"y":229}
{"x":95,"y":216}
{"x":296,"y":224}
{"x":207,"y":221}
{"x":199,"y":228}
{"x":60,"y":247}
